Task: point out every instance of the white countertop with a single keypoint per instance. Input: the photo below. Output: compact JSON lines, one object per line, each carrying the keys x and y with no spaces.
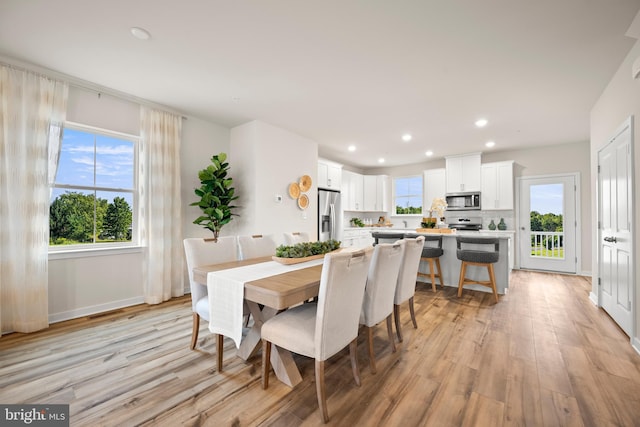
{"x":480,"y":233}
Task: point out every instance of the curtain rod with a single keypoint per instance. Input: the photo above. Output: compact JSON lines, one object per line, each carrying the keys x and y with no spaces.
{"x":84,"y":84}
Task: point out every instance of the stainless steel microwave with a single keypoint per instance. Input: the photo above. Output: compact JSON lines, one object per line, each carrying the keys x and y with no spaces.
{"x":463,"y":201}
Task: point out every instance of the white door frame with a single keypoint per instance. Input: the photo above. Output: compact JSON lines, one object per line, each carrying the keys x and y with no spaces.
{"x":628,"y":123}
{"x":578,"y":235}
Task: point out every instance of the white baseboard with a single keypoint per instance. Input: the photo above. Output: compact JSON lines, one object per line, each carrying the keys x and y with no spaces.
{"x":100,"y":308}
{"x":593,"y":298}
{"x":635,"y":343}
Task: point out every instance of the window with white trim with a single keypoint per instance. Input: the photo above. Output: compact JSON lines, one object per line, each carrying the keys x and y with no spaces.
{"x":94,"y":197}
{"x":407,"y":195}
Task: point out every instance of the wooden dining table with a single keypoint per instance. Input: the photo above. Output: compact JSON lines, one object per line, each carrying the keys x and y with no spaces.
{"x":265,"y":298}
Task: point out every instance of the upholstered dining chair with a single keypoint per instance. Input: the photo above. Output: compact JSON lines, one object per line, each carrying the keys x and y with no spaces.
{"x":257,"y":245}
{"x":377,"y":304}
{"x":199,"y":252}
{"x":296,"y":237}
{"x":406,"y":286}
{"x":322,"y":329}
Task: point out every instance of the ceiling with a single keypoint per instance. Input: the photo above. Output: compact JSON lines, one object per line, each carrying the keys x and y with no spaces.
{"x":345,"y":72}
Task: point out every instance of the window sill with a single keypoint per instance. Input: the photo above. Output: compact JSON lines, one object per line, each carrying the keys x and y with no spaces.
{"x":93,"y":252}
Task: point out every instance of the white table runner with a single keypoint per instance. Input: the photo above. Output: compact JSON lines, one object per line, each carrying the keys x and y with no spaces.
{"x":226,"y":293}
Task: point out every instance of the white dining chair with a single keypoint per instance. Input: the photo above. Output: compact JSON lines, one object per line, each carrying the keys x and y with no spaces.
{"x":296,"y":237}
{"x":406,"y":286}
{"x":198,"y":252}
{"x":256,"y":246}
{"x":377,"y":304}
{"x":322,"y":329}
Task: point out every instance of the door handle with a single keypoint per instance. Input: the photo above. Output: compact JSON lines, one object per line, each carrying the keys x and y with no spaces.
{"x":611,"y":239}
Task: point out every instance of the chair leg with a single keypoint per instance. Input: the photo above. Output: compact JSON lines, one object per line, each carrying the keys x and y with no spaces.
{"x":492,"y":278}
{"x":433,"y":277}
{"x":396,"y":316}
{"x":439,"y":272}
{"x":320,"y":390}
{"x":392,"y":339}
{"x":463,"y":268}
{"x":413,"y":313}
{"x":353,"y":352}
{"x":372,"y":356}
{"x":220,"y":350}
{"x":194,"y":331}
{"x":266,"y":362}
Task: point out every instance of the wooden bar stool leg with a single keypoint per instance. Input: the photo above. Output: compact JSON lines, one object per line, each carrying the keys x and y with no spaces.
{"x":439,"y":272}
{"x":463,"y":268}
{"x":492,"y":278}
{"x":433,"y":277}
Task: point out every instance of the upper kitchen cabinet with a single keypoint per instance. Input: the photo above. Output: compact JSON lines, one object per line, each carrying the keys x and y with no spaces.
{"x":463,"y":173}
{"x":434,"y":186}
{"x":375,"y":193}
{"x":329,"y":175}
{"x":352,"y":191}
{"x":497,"y":186}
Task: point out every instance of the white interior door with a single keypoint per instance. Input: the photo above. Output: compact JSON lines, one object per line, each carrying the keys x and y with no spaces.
{"x":615,"y":195}
{"x":547,"y":220}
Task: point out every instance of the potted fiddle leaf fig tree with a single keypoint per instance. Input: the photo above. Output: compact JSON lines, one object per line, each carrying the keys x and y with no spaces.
{"x":216,"y":195}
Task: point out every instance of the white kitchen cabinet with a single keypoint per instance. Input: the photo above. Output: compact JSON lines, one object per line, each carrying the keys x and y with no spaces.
{"x":497,"y":186}
{"x":463,"y":173}
{"x":356,"y":238}
{"x":434,"y":187}
{"x":375,"y":193}
{"x":352,"y":191}
{"x":329,"y":174}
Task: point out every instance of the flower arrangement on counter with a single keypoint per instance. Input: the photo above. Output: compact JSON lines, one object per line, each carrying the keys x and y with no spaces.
{"x":438,"y":206}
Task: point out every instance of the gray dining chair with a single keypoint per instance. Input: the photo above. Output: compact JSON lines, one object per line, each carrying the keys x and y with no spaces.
{"x":320,"y":330}
{"x":379,"y":292}
{"x":406,"y":286}
{"x":296,"y":237}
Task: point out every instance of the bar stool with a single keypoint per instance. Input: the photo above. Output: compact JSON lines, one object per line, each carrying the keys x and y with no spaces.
{"x":386,"y":236}
{"x":432,"y":255}
{"x":480,"y":258}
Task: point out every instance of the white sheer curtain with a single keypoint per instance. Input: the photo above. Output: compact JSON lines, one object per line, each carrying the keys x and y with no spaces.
{"x":161,"y":222}
{"x":30,"y":105}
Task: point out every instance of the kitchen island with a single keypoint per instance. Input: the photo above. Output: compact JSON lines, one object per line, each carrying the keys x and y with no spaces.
{"x":451,"y":264}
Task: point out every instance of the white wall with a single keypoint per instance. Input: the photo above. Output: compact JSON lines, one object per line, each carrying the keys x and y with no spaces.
{"x":265,"y":159}
{"x":620,"y":99}
{"x":97,"y":282}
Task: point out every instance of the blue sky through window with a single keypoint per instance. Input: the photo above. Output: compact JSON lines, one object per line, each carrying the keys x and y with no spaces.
{"x":112,"y":159}
{"x":546,"y":198}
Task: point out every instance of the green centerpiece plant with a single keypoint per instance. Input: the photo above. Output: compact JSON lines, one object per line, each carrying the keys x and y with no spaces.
{"x":307,"y":249}
{"x":216,"y":195}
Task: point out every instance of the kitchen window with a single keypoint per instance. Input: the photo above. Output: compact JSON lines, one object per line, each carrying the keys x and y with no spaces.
{"x":94,"y":197}
{"x":407,"y":195}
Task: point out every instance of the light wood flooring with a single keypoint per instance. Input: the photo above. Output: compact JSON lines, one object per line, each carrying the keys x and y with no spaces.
{"x":542,"y":356}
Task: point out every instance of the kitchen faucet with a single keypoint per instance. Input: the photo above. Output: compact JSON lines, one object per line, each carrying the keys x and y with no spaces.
{"x":405,"y":223}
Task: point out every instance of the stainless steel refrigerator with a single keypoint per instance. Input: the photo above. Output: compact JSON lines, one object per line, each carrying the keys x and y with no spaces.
{"x":329,"y":215}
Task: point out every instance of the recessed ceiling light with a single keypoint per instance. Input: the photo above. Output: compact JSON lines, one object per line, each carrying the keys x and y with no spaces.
{"x":429,"y":153}
{"x":381,"y":160}
{"x":406,"y":137}
{"x":352,"y":148}
{"x":481,"y":123}
{"x":490,"y":144}
{"x":140,"y":33}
